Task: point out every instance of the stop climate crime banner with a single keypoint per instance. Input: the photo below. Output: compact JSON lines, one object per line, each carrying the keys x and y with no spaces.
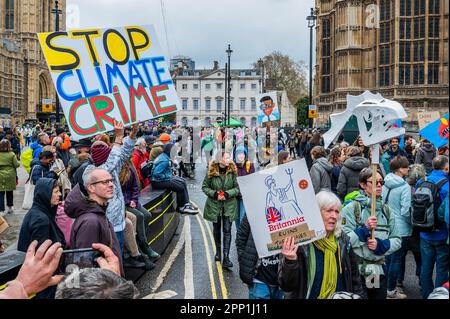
{"x":280,"y":202}
{"x":106,"y":74}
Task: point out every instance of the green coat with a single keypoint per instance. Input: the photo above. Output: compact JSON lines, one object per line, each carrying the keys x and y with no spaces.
{"x":215,"y":182}
{"x":8,"y":165}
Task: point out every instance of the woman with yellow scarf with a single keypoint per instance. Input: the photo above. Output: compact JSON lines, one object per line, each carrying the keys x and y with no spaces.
{"x":324,"y":267}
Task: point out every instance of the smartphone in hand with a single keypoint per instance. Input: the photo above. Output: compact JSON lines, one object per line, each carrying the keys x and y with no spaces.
{"x":82,"y":258}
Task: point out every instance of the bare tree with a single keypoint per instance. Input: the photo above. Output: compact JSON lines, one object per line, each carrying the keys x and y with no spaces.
{"x":281,"y":72}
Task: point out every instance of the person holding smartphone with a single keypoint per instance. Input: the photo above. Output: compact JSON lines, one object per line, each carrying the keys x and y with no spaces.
{"x":91,"y":224}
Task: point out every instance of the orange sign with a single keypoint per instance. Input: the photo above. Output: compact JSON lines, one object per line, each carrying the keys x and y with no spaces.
{"x":48,"y":108}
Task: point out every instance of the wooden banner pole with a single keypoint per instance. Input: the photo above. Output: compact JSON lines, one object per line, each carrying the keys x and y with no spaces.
{"x":375,"y":159}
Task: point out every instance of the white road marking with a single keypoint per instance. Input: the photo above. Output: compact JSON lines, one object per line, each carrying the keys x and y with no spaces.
{"x":188,"y":268}
{"x":170,"y":260}
{"x":166,"y":294}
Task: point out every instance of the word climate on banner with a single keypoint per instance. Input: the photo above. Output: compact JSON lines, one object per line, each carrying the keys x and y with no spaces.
{"x":106,"y":74}
{"x":284,"y":206}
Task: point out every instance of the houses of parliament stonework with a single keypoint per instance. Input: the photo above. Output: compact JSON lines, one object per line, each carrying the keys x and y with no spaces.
{"x":24,"y":77}
{"x":398,"y":48}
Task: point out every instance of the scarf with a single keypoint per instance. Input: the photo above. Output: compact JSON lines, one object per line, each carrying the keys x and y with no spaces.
{"x":328,"y":246}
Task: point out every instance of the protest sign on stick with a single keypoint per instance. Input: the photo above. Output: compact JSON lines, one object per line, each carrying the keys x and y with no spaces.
{"x":284,"y":206}
{"x":437,"y":132}
{"x":106,"y":74}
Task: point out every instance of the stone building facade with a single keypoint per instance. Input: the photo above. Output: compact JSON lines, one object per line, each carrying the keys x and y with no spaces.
{"x":398,"y":48}
{"x":202,"y":96}
{"x":24,"y":77}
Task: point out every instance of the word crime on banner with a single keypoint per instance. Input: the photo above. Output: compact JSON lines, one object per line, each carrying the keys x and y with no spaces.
{"x":106,"y":74}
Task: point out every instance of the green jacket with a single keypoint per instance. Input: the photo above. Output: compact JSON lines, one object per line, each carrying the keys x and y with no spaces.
{"x":370,"y":263}
{"x":215,"y":182}
{"x":8,"y":165}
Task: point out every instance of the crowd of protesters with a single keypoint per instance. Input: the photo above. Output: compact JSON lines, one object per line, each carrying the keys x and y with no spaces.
{"x":87,"y":195}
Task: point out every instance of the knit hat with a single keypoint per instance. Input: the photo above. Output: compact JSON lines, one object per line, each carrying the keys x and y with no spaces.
{"x":60,"y":130}
{"x":99,"y":152}
{"x":165,"y":138}
{"x":239,"y":149}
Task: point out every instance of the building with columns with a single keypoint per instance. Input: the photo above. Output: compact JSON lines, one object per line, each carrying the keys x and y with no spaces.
{"x":202,"y":96}
{"x":24,"y":77}
{"x":398,"y":48}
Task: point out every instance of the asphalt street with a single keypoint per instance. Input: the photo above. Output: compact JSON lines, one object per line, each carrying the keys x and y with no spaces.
{"x":187,"y":268}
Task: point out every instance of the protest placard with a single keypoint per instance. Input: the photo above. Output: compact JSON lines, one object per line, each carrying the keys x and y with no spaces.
{"x":437,"y":132}
{"x":268,"y":109}
{"x":425,"y":118}
{"x":106,"y":74}
{"x":280,"y":203}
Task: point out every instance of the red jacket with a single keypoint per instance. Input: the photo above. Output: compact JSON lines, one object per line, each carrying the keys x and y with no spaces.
{"x":138,"y":158}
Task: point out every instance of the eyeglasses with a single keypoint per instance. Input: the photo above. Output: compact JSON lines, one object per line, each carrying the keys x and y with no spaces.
{"x":104,"y":182}
{"x":381,"y":182}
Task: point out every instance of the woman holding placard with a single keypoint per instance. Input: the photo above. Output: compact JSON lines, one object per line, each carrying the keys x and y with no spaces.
{"x":322,"y":268}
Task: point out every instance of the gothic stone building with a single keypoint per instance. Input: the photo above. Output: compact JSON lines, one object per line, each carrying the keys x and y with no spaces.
{"x":398,"y":48}
{"x":24,"y":77}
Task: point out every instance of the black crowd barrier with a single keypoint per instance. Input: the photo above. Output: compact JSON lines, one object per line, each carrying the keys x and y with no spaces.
{"x":161,"y":223}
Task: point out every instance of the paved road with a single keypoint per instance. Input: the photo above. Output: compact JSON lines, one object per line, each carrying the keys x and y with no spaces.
{"x":187,"y":269}
{"x":191,"y":272}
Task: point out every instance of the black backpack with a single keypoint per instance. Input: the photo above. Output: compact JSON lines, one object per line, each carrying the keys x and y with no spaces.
{"x":146,"y":169}
{"x":425,"y":204}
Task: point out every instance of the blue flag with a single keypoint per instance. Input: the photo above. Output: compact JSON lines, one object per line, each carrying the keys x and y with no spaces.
{"x":437,"y":132}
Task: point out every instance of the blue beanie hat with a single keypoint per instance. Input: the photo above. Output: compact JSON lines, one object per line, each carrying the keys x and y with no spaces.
{"x":240,"y":149}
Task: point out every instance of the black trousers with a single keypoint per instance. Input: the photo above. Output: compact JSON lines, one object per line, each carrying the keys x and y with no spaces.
{"x":176,"y":184}
{"x":9,"y":200}
{"x":376,"y":293}
{"x":226,"y":223}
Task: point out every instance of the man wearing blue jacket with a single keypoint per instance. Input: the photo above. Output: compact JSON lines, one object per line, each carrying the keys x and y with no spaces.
{"x":433,"y":245}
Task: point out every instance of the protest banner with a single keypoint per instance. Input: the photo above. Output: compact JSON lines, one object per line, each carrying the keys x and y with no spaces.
{"x":425,"y":118}
{"x":106,"y":74}
{"x":284,"y":205}
{"x":268,"y":109}
{"x":437,"y":132}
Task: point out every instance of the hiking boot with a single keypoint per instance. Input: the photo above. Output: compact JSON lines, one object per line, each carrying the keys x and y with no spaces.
{"x":10,"y":210}
{"x":217,"y":257}
{"x":227,"y":262}
{"x":152,"y":254}
{"x":148,"y":264}
{"x":395,"y":294}
{"x":133,"y":262}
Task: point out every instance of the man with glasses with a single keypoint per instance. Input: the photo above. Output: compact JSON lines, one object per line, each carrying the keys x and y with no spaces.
{"x":356,"y":221}
{"x":91,"y":224}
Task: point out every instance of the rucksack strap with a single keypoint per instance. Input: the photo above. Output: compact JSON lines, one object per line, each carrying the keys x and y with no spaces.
{"x":357,"y":212}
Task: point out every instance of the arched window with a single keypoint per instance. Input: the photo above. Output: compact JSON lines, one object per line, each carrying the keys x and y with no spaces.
{"x":253,"y":121}
{"x":195,"y":122}
{"x":243,"y":120}
{"x":184,"y":121}
{"x":207,"y":121}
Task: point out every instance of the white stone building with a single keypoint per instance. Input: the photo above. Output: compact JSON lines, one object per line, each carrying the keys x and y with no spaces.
{"x":202,"y":96}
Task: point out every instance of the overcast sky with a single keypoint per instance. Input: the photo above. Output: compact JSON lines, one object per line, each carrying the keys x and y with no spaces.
{"x":202,"y":29}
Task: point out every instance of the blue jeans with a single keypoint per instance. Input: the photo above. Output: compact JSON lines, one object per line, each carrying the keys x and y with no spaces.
{"x":262,"y":291}
{"x":121,"y":238}
{"x":241,"y":214}
{"x":433,"y":251}
{"x":394,"y":265}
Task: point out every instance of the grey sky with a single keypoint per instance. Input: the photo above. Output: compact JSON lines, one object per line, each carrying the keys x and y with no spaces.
{"x":202,"y":29}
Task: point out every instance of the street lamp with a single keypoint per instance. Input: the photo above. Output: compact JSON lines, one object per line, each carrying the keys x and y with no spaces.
{"x":311,"y":24}
{"x":261,"y":69}
{"x":57,"y":12}
{"x":229,"y":51}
